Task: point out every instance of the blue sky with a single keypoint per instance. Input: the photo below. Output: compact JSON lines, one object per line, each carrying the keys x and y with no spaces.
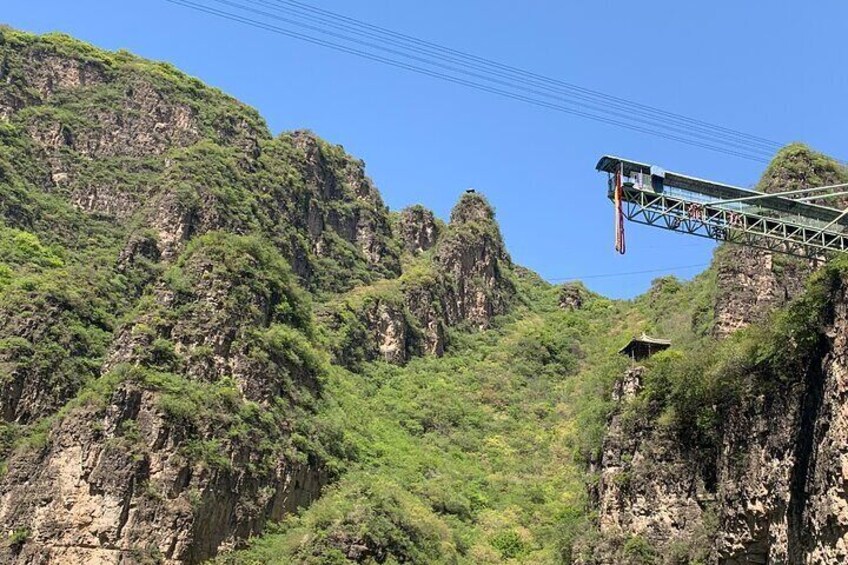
{"x":775,"y":69}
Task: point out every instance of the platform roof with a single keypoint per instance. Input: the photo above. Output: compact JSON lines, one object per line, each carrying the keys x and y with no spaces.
{"x":644,"y":346}
{"x":720,"y":191}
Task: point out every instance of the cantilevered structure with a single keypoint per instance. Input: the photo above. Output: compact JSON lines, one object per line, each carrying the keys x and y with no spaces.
{"x":785,"y":222}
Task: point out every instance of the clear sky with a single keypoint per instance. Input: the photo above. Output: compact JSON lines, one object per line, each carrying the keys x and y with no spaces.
{"x":777,"y":69}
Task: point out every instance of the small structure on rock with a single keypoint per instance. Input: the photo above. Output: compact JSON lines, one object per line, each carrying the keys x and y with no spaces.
{"x":644,"y":346}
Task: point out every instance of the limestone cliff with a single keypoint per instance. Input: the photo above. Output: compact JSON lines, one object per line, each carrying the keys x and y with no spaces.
{"x":756,"y":476}
{"x":418,"y":229}
{"x":753,"y":282}
{"x":160,"y":255}
{"x":181,"y":449}
{"x":464,"y":281}
{"x":154,"y":370}
{"x":780,"y":473}
{"x":651,"y":486}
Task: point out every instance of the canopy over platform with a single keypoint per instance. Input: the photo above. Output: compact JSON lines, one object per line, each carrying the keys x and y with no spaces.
{"x":653,"y":196}
{"x":644,"y":346}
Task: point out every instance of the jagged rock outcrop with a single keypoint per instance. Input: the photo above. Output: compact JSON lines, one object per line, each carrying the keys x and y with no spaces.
{"x":52,"y":339}
{"x":572,"y":296}
{"x":418,"y":229}
{"x":467,"y":281}
{"x":142,"y":110}
{"x":771,"y":487}
{"x":753,"y":282}
{"x":473,"y":259}
{"x":765,"y":484}
{"x":780,"y":482}
{"x":182,"y":449}
{"x":337,"y":207}
{"x":423,"y":299}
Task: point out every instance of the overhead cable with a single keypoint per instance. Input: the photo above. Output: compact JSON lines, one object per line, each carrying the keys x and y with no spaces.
{"x":501,"y":88}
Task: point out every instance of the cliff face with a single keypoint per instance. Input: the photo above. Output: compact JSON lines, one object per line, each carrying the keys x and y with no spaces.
{"x":161,"y":253}
{"x":181,"y":448}
{"x":329,"y":198}
{"x":751,"y":282}
{"x":781,"y":478}
{"x":126,"y":139}
{"x":120,"y":482}
{"x":651,"y":486}
{"x":764,"y":484}
{"x":418,"y":229}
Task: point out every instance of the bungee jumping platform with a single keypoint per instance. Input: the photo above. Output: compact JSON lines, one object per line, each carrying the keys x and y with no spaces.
{"x":785,"y":222}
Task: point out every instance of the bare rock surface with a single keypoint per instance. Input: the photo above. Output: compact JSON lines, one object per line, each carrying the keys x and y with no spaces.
{"x":112,"y":485}
{"x":753,"y":282}
{"x":417,"y":229}
{"x":465,"y":283}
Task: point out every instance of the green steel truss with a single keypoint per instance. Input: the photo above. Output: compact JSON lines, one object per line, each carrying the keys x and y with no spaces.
{"x":775,"y":222}
{"x":745,"y":228}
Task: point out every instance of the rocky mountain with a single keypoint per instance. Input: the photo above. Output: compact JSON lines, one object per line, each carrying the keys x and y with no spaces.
{"x":219,"y":344}
{"x":751,"y":282}
{"x":752,"y":474}
{"x":160,"y":358}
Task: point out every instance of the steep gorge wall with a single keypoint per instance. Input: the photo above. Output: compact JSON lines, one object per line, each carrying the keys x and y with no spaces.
{"x":753,"y":282}
{"x":182,"y":447}
{"x":649,"y":485}
{"x":781,"y":491}
{"x":770,"y":489}
{"x":159,"y":364}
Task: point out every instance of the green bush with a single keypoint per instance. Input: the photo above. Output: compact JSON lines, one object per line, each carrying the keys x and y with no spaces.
{"x":509,"y":544}
{"x":638,"y":551}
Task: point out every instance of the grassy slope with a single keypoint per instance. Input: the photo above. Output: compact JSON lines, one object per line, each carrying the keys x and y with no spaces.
{"x":478,"y":457}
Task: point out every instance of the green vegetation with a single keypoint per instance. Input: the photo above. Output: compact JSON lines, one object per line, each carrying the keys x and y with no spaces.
{"x":477,"y":457}
{"x":693,"y":391}
{"x":18,"y":536}
{"x":367,"y":519}
{"x":683,"y":311}
{"x":797,"y":166}
{"x":189,"y":261}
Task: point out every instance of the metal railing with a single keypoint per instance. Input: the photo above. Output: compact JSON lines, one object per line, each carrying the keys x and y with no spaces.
{"x":747,"y":224}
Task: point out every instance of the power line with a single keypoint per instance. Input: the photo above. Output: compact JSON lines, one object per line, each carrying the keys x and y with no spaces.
{"x":496,"y":64}
{"x":719,"y":145}
{"x":460,"y":64}
{"x":628,"y":273}
{"x":519,"y":84}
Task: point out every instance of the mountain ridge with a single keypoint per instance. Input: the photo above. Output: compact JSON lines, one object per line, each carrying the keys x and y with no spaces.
{"x":216,"y":343}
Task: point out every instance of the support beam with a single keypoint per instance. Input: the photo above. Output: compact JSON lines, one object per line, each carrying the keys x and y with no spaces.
{"x":820,"y":196}
{"x":787,"y":193}
{"x":704,"y":220}
{"x":785,"y":222}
